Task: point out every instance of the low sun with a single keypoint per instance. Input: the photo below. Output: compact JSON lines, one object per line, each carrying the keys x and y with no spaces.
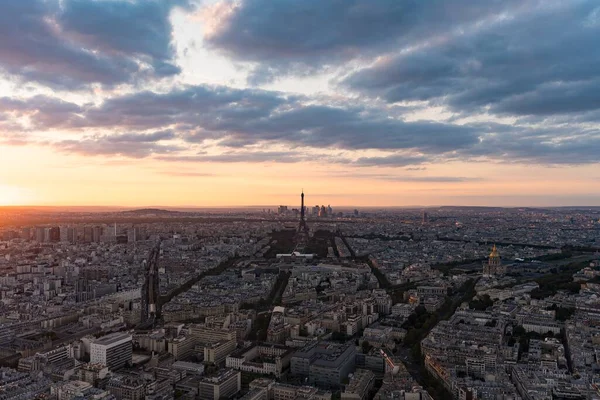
{"x":10,"y":196}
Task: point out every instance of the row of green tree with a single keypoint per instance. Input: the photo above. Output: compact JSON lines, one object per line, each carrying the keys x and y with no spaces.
{"x":550,"y":284}
{"x":481,"y":303}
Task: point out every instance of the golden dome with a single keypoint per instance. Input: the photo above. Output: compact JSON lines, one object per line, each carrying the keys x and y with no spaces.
{"x":494,"y":253}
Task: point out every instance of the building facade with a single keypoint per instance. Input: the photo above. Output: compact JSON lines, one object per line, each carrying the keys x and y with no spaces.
{"x":224,"y":385}
{"x":494,"y":265}
{"x":114,"y":351}
{"x":325,"y":364}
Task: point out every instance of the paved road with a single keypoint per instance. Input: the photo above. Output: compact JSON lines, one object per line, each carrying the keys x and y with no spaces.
{"x":77,"y":335}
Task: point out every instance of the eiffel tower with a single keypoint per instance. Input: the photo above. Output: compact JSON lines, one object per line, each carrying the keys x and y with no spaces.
{"x":302,"y":234}
{"x":302,"y":227}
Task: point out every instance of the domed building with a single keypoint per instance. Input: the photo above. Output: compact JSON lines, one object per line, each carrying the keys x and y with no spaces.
{"x":494,"y":265}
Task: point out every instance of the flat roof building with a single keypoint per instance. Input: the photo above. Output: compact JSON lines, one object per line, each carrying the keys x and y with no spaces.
{"x":325,"y":364}
{"x":224,"y":385}
{"x":114,"y":351}
{"x":359,"y":386}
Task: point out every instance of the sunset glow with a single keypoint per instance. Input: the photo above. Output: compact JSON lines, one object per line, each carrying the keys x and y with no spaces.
{"x":10,"y":196}
{"x":239,"y":103}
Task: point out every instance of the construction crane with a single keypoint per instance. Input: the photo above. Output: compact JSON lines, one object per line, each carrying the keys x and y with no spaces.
{"x":393,"y":368}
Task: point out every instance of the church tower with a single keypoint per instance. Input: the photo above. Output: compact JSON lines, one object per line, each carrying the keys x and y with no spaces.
{"x":494,"y":265}
{"x":494,"y":259}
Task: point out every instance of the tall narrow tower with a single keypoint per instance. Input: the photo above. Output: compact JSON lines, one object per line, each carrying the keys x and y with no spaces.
{"x":302,"y":234}
{"x":302,"y":206}
{"x":302,"y":227}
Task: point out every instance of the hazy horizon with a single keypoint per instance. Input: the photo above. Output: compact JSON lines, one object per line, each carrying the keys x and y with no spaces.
{"x":184,"y":208}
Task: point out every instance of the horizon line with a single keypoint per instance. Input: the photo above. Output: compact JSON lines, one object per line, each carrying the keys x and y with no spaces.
{"x":165,"y":207}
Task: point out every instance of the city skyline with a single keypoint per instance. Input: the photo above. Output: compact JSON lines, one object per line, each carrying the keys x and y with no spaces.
{"x":237,"y":103}
{"x":299,"y":199}
{"x":496,"y":301}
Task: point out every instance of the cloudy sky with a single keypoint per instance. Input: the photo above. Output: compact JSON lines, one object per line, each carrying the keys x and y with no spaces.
{"x":245,"y":102}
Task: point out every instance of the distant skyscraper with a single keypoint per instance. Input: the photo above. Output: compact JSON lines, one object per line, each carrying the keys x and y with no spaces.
{"x":88,"y":234}
{"x":26,"y":233}
{"x":323,"y":212}
{"x":71,"y":235}
{"x":97,"y":232}
{"x":425,"y":217}
{"x":40,"y":234}
{"x":63,"y":234}
{"x":54,"y":234}
{"x":134,"y":234}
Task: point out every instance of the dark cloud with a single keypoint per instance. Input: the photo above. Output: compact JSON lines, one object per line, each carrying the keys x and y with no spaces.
{"x":32,"y":48}
{"x":567,"y":148}
{"x":245,"y":117}
{"x":354,"y":128}
{"x":433,"y":179}
{"x":554,"y":98}
{"x":300,"y":36}
{"x":44,"y":112}
{"x":393,"y":160}
{"x":540,"y":61}
{"x":127,"y":144}
{"x":141,"y":137}
{"x":402,"y":178}
{"x":186,"y":107}
{"x":43,"y":104}
{"x":242,"y":157}
{"x":242,"y":121}
{"x":534,"y":61}
{"x":140,"y":28}
{"x":423,"y":179}
{"x":74,"y":43}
